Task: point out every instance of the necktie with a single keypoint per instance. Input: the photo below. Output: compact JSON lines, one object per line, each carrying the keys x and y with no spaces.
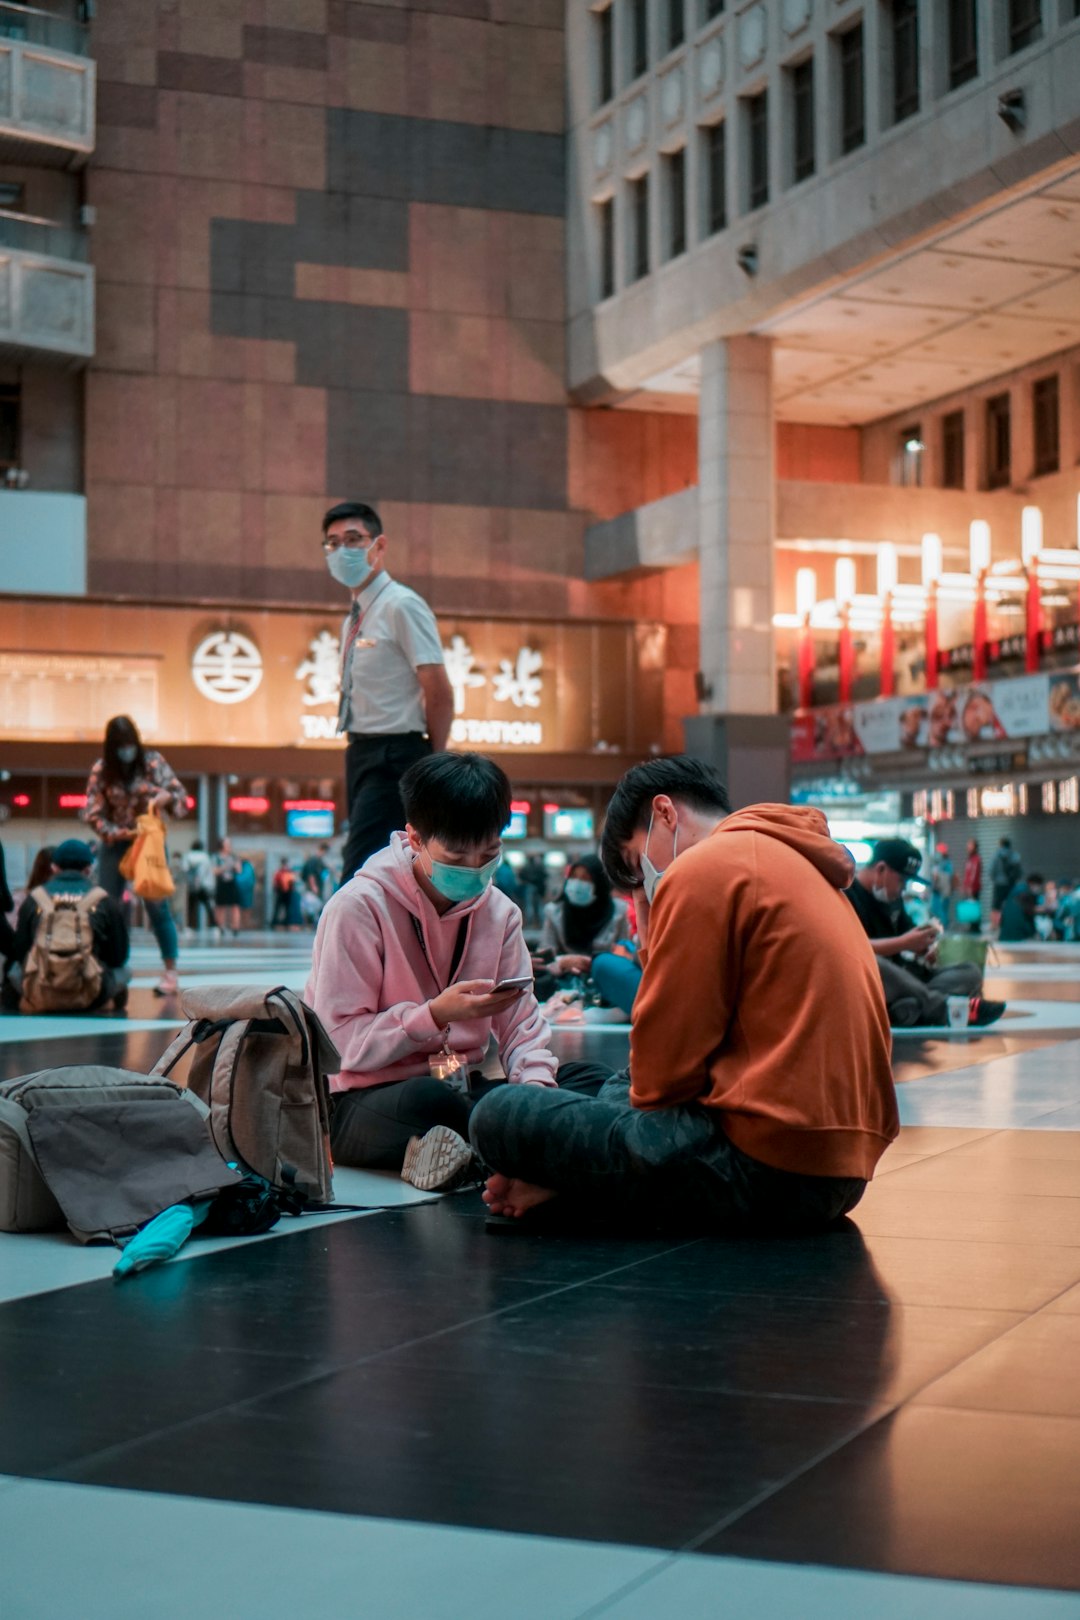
{"x":352,"y":630}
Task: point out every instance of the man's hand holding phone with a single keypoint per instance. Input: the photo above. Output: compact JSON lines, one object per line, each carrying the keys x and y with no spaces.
{"x":476,"y":998}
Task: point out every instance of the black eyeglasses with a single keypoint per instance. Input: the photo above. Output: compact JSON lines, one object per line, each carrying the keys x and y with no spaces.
{"x":352,"y":540}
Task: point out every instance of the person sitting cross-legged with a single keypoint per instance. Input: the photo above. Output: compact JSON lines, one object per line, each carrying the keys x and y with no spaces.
{"x":70,"y":948}
{"x":917,"y":991}
{"x":407,"y":959}
{"x":759,"y":1095}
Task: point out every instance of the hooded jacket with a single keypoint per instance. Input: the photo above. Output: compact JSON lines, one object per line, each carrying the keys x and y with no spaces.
{"x":371,"y":982}
{"x":761,"y":997}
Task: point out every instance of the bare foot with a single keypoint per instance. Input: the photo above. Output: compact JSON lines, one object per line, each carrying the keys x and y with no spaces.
{"x":505,"y":1195}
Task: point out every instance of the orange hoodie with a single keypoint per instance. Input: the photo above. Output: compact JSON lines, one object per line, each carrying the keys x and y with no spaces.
{"x":761,"y":997}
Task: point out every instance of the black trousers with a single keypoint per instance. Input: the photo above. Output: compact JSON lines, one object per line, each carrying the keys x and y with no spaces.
{"x":374,"y":767}
{"x":370,"y":1128}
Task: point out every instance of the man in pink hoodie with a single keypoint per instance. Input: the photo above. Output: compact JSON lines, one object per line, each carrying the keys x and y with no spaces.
{"x":408,"y":955}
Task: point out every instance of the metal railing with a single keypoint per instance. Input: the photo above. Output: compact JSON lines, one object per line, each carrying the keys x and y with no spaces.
{"x":36,"y":27}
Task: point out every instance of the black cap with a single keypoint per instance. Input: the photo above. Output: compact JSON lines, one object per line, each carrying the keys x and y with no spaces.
{"x":73,"y":855}
{"x":898,"y":855}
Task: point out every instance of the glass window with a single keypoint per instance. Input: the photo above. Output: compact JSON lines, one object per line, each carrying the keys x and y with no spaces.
{"x":998,"y":442}
{"x":714,"y":168}
{"x":852,"y":89}
{"x":802,"y":119}
{"x":676,"y":23}
{"x":1025,"y":23}
{"x":675,"y":177}
{"x":713,"y":8}
{"x":605,"y":56}
{"x":639,"y":37}
{"x":757,"y":148}
{"x":952,"y":450}
{"x":963,"y":42}
{"x":905,"y":58}
{"x":606,"y":230}
{"x":1044,"y":400}
{"x":639,"y":215}
{"x":9,"y":426}
{"x":910,"y":452}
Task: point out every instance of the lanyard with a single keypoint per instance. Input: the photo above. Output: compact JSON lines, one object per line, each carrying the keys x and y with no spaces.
{"x":455,"y":960}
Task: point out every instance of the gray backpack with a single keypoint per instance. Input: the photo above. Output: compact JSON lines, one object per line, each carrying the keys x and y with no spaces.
{"x":261,"y":1060}
{"x":101,"y":1150}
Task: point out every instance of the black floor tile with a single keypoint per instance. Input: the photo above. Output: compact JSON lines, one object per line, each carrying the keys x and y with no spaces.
{"x":499,"y":1448}
{"x":972,"y":1496}
{"x":137,"y":1049}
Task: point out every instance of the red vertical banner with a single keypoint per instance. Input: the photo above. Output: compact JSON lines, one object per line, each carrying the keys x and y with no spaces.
{"x":930,"y":636}
{"x":1033,"y":643}
{"x":847,"y":656}
{"x":806,"y":664}
{"x":978,"y":658}
{"x":888,"y":648}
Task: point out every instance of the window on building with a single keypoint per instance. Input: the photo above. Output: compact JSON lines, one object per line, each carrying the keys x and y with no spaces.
{"x":675,"y":187}
{"x":12,"y":196}
{"x":1044,"y":402}
{"x":905,"y":59}
{"x":713,"y":8}
{"x":952,"y":450}
{"x":998,"y":442}
{"x":639,"y":232}
{"x":605,"y":223}
{"x":852,"y":89}
{"x":605,"y":55}
{"x":756,"y":111}
{"x":639,"y":37}
{"x":802,"y":119}
{"x":1025,"y":23}
{"x":714,"y":171}
{"x":9,"y":426}
{"x":963,"y":42}
{"x":676,"y":23}
{"x":909,"y":456}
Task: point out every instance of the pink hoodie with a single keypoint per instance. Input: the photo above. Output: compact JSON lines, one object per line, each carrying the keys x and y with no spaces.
{"x":371,"y":985}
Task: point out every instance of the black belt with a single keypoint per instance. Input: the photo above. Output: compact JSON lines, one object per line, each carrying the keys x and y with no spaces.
{"x":382,"y":736}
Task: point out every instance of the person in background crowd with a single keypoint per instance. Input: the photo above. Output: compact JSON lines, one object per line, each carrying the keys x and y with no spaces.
{"x":396,"y":699}
{"x":506,"y":881}
{"x":127,"y":781}
{"x":284,"y":882}
{"x":1067,"y":916}
{"x":759,"y":1096}
{"x":70,"y":876}
{"x":533,"y":880}
{"x":1021,"y":906}
{"x":583,"y":927}
{"x":407,"y":960}
{"x":226,"y":888}
{"x":1005,"y":873}
{"x":7,"y":904}
{"x":972,"y":880}
{"x":42,"y":869}
{"x":200,"y":886}
{"x":941,"y":885}
{"x":916,"y":990}
{"x":315,"y":872}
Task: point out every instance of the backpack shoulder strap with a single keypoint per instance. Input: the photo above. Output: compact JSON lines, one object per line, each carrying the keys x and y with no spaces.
{"x":90,"y":900}
{"x":44,"y":901}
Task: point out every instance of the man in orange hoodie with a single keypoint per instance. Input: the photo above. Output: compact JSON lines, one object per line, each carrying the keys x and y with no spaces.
{"x":759,"y":1095}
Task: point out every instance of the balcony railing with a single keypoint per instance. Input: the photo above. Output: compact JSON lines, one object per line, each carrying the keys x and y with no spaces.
{"x":46,"y":88}
{"x":46,"y":291}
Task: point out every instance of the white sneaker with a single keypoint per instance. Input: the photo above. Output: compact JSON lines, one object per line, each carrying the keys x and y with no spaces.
{"x":437,"y":1161}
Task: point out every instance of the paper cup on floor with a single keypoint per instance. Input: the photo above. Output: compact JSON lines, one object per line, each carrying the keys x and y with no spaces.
{"x":958,"y":1008}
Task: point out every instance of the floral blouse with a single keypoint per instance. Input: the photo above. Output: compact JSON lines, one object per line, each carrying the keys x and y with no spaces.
{"x":115,"y":806}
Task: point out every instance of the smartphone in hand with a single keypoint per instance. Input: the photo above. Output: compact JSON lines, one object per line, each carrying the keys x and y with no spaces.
{"x":524,"y":983}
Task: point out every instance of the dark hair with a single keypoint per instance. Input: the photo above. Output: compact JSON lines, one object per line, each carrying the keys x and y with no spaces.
{"x":1035,"y":877}
{"x":1007,"y":842}
{"x":581,"y":924}
{"x":461,"y":799}
{"x":41,"y":871}
{"x":122,"y":732}
{"x":355,"y":509}
{"x":686,"y":780}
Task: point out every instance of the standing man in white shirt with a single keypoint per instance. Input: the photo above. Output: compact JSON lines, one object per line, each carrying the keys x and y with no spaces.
{"x":396,"y":701}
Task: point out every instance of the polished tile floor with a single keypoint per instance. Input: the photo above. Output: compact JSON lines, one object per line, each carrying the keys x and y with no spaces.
{"x":397,"y":1414}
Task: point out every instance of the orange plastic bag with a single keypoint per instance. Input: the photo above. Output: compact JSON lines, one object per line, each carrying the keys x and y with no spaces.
{"x":146,"y":865}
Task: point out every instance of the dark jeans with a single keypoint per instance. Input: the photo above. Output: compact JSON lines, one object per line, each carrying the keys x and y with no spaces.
{"x":374,"y":767}
{"x":671,"y":1169}
{"x":199,"y":902}
{"x":370,"y":1127}
{"x":914,"y":999}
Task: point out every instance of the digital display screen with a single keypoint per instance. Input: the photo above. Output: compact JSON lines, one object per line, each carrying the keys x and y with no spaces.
{"x":309,"y":823}
{"x":568,"y":823}
{"x":517,"y":826}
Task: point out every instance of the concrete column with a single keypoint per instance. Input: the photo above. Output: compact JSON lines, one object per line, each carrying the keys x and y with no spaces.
{"x":737,"y":728}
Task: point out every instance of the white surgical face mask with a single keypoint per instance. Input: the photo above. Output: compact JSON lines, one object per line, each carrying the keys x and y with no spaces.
{"x":127,"y":755}
{"x":349,"y":565}
{"x":650,"y":877}
{"x":579,"y":891}
{"x":458,"y":883}
{"x":881,"y":895}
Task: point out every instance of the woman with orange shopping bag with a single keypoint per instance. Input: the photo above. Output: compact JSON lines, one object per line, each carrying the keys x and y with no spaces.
{"x":130,"y":783}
